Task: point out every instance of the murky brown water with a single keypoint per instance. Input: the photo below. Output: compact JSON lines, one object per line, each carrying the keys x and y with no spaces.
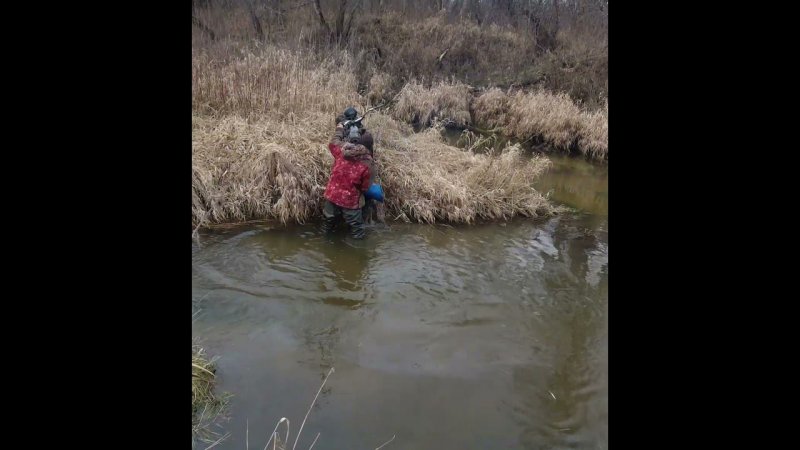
{"x":489,"y":336}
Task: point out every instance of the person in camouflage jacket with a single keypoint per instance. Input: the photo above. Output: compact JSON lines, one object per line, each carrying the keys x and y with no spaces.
{"x":350,"y":177}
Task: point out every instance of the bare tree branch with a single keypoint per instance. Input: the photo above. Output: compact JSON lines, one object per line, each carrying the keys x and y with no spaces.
{"x":350,"y":20}
{"x":322,"y":21}
{"x":254,"y":18}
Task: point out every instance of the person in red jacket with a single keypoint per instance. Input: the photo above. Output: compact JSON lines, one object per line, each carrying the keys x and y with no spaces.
{"x":368,"y":206}
{"x":350,"y":177}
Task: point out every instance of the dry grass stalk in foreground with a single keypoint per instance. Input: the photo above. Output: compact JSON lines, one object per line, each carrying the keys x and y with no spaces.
{"x":207,"y":406}
{"x":282,"y":444}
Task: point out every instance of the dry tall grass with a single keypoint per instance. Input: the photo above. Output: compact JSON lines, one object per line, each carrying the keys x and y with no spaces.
{"x":578,"y":66}
{"x":207,"y":406}
{"x":260,"y":169}
{"x":431,"y":46}
{"x":268,"y":169}
{"x":258,"y":81}
{"x":444,"y":101}
{"x":380,"y":88}
{"x":260,"y":127}
{"x":429,"y":181}
{"x":593,"y":139}
{"x":436,"y":48}
{"x":553,"y":117}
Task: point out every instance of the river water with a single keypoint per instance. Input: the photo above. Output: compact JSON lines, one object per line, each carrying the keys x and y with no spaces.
{"x":465,"y":337}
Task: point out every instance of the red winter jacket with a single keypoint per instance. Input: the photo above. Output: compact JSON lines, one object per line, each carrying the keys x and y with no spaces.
{"x":349,"y":177}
